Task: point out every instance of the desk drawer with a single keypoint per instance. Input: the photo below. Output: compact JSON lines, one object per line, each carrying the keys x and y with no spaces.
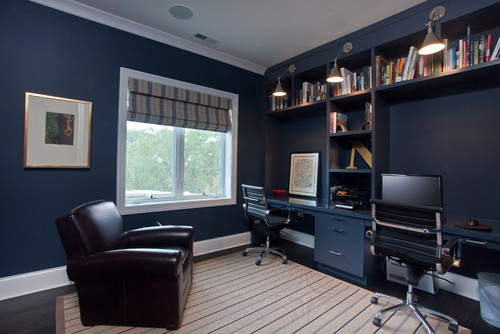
{"x":339,"y":242}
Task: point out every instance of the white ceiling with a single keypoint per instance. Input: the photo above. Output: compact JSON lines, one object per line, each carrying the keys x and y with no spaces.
{"x":253,"y":34}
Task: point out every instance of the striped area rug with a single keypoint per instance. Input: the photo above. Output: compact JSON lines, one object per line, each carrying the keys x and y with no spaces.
{"x":230,"y":294}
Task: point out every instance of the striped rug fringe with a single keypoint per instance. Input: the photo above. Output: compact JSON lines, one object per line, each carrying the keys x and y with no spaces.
{"x":230,"y":294}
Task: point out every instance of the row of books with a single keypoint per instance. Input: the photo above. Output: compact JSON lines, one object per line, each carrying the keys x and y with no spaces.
{"x":338,"y":120}
{"x":353,"y":81}
{"x":311,"y":92}
{"x":277,"y":102}
{"x":402,"y":69}
{"x":470,"y":52}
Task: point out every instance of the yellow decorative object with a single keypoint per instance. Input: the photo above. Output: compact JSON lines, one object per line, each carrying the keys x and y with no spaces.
{"x":357,"y":145}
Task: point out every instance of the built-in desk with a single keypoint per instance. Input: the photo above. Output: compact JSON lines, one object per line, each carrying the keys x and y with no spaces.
{"x":488,"y":239}
{"x":340,"y":245}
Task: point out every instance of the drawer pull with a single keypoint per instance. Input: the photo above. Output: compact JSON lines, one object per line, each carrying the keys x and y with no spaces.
{"x":481,"y":243}
{"x":338,"y":230}
{"x":339,"y":219}
{"x":335,"y":253}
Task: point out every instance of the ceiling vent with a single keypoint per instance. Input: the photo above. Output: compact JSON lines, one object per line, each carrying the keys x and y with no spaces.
{"x":205,"y":38}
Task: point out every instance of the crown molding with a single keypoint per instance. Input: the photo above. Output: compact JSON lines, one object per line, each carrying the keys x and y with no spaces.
{"x":92,"y":14}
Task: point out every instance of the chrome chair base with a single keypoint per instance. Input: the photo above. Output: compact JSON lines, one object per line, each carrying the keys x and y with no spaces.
{"x":416,"y":309}
{"x":263,"y":250}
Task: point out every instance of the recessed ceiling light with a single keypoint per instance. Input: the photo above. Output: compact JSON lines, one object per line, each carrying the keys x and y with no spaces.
{"x":181,"y":12}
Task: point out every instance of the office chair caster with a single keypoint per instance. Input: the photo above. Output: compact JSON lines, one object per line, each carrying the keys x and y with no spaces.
{"x":285,"y":261}
{"x":453,"y":328}
{"x":374,"y":300}
{"x":377,"y":322}
{"x":257,"y":262}
{"x":245,"y":253}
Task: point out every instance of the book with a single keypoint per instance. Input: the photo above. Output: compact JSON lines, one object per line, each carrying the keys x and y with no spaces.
{"x":495,"y":53}
{"x":367,"y":125}
{"x":409,"y":70}
{"x":380,"y":62}
{"x":488,"y":48}
{"x":482,"y":49}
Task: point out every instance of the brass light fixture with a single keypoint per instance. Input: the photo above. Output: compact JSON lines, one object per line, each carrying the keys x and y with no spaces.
{"x":432,"y":43}
{"x":335,"y":75}
{"x":279,"y":90}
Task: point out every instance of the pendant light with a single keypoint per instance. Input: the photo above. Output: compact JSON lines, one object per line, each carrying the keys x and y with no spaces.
{"x":432,"y":43}
{"x":335,"y":75}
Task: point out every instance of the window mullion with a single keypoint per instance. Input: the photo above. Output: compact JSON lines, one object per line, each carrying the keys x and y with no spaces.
{"x":179,"y":162}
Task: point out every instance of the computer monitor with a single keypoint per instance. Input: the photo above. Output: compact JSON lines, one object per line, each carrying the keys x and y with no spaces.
{"x":413,"y":189}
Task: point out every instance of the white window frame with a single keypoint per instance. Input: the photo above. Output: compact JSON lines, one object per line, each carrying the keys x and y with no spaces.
{"x":230,"y":163}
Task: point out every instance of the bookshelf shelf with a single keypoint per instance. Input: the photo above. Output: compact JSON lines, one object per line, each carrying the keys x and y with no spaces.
{"x":351,"y":134}
{"x":350,"y":171}
{"x":473,"y":77}
{"x":311,"y":109}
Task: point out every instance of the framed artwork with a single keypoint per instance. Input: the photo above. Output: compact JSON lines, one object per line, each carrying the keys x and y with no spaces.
{"x":304,"y":174}
{"x":56,"y":132}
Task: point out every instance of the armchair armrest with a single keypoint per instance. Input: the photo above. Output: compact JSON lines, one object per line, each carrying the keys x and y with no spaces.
{"x":161,"y":237}
{"x":127,"y":263}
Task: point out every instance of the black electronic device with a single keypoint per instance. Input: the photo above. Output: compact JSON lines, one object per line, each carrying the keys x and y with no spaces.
{"x":349,"y":198}
{"x":413,"y":189}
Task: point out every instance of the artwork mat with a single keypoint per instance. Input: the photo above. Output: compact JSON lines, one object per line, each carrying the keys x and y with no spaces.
{"x":37,"y":153}
{"x":308,"y":177}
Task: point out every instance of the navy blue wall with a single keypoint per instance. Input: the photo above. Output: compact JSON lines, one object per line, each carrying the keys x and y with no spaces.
{"x":49,"y":52}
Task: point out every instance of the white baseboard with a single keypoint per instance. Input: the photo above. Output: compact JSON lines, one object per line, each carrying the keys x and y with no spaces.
{"x":221,"y":243}
{"x":19,"y":285}
{"x":23,"y":284}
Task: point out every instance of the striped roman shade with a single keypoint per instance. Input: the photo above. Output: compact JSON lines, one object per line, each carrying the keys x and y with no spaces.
{"x":151,"y":102}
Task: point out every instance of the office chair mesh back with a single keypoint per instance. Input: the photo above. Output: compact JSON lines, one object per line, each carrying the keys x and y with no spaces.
{"x":412,"y":234}
{"x":256,"y":205}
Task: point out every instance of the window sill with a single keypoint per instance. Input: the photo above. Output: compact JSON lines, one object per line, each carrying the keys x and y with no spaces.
{"x":181,"y":205}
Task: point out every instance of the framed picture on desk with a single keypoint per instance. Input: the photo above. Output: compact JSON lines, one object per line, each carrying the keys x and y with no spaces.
{"x":304,"y":174}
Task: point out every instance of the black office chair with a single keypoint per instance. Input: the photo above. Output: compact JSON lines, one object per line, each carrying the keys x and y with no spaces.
{"x":255,"y":208}
{"x":411,"y":235}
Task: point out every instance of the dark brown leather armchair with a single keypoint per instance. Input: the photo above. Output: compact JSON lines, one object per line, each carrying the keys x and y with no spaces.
{"x":140,"y":277}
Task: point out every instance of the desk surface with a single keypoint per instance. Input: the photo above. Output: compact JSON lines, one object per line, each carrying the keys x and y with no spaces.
{"x":489,"y":239}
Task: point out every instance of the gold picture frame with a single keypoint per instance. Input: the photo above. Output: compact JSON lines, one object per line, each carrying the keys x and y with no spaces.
{"x":304,"y":174}
{"x":56,"y":132}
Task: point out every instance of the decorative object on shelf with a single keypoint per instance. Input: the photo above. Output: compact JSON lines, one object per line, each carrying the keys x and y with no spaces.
{"x":338,"y":122}
{"x":304,"y":174}
{"x":279,"y":90}
{"x":432,"y":43}
{"x":335,"y":75}
{"x":357,"y":145}
{"x":56,"y":132}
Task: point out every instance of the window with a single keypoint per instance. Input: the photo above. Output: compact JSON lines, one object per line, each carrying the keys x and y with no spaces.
{"x":176,"y":145}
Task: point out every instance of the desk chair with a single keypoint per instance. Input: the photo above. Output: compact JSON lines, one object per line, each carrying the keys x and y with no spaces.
{"x":255,"y":208}
{"x":411,"y":235}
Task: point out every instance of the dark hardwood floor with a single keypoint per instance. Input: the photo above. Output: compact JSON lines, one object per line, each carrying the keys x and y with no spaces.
{"x":35,"y":313}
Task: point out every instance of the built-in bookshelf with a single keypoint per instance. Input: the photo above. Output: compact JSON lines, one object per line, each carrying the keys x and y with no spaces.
{"x":384,"y":75}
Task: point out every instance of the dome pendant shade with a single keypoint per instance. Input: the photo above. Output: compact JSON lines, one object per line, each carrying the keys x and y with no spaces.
{"x":279,"y":90}
{"x":335,"y":75}
{"x":432,"y":44}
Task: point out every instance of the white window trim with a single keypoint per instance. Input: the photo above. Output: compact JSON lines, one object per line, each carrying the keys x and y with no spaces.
{"x":125,"y":73}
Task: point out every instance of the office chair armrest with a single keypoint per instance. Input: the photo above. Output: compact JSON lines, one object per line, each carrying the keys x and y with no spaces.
{"x":452,"y":243}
